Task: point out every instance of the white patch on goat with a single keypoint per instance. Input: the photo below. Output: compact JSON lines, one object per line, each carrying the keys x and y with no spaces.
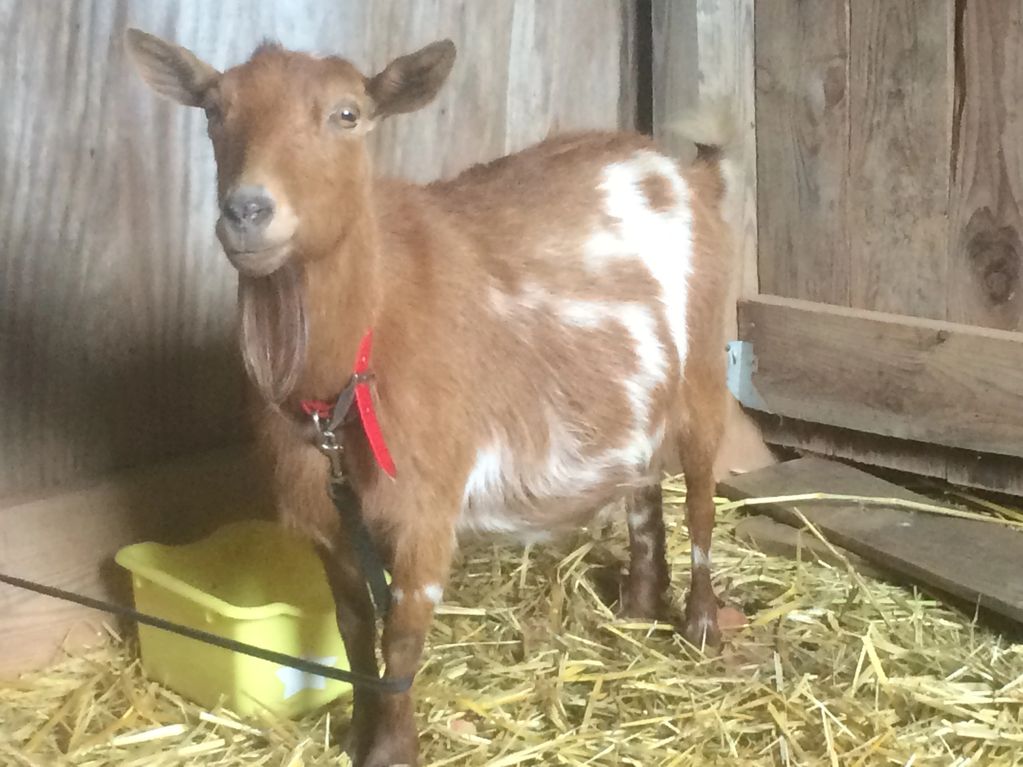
{"x":432,"y":592}
{"x":397,"y":595}
{"x":500,"y":484}
{"x":701,"y":558}
{"x":661,"y":240}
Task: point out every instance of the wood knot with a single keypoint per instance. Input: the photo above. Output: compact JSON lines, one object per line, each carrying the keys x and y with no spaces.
{"x":994,"y":256}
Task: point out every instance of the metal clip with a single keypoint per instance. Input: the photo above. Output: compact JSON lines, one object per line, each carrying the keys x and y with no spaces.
{"x":330,"y":447}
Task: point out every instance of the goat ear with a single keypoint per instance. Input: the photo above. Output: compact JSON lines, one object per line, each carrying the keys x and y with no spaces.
{"x":411,"y":82}
{"x":169,"y":69}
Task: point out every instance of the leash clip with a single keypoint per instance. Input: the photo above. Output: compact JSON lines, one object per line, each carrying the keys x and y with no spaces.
{"x":329,"y":445}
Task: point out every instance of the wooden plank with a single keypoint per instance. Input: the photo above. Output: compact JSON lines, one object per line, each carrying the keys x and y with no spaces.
{"x":68,"y":540}
{"x":802,"y":112}
{"x":902,"y":377}
{"x":985,"y":471}
{"x":971,"y":560}
{"x":676,"y":69}
{"x":985,"y":285}
{"x":635,"y":64}
{"x":900,"y":115}
{"x":780,"y":540}
{"x":118,"y":306}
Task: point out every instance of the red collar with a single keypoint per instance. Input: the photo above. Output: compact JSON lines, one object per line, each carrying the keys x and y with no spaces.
{"x":363,"y":397}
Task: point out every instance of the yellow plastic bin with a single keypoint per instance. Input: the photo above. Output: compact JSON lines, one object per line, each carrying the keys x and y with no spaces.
{"x":250,"y":581}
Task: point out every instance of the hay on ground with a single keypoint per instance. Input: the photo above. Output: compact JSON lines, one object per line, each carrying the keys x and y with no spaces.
{"x":527,"y":665}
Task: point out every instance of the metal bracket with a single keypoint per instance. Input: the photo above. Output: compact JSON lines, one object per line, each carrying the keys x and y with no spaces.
{"x":742,"y":364}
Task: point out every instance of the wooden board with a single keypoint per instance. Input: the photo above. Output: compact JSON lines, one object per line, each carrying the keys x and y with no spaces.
{"x":780,"y":540}
{"x":986,"y":471}
{"x":974,"y":561}
{"x":68,"y":540}
{"x":901,"y":377}
{"x":117,"y":309}
{"x":985,"y":284}
{"x":802,"y":109}
{"x":900,"y":112}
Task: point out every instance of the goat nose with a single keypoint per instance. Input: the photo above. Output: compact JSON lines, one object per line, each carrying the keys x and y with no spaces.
{"x":249,"y":208}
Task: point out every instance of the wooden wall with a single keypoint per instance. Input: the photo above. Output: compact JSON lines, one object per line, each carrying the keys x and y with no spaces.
{"x":890,"y":154}
{"x":117,"y":314}
{"x":890,"y":237}
{"x":115,"y":323}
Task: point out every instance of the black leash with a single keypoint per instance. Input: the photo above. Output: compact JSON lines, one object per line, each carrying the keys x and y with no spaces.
{"x":310,"y":667}
{"x":347,"y":504}
{"x":344,"y":497}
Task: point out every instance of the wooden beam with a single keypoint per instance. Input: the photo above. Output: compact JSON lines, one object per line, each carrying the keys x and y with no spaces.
{"x":967,"y":468}
{"x":970,"y":560}
{"x":924,"y":380}
{"x":68,"y":540}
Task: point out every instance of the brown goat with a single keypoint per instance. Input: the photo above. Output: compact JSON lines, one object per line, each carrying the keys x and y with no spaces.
{"x":547,"y":333}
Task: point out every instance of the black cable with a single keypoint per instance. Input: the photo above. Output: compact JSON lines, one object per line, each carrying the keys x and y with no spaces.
{"x":351,"y":677}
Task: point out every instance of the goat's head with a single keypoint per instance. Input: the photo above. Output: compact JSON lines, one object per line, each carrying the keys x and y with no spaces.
{"x":288,"y":132}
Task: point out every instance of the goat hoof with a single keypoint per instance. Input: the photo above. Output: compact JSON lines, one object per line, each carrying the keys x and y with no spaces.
{"x":701,"y":628}
{"x":392,"y":749}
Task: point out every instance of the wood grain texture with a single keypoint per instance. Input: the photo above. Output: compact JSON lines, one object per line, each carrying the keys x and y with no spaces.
{"x":68,"y":540}
{"x":116,"y":324}
{"x":802,"y":110}
{"x":974,"y":561}
{"x":780,"y":540}
{"x":676,"y":68}
{"x":900,"y":115}
{"x":986,"y":471}
{"x":924,"y":380}
{"x":985,"y":277}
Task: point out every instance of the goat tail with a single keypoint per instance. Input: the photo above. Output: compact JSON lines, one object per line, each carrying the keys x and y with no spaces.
{"x":713,"y":128}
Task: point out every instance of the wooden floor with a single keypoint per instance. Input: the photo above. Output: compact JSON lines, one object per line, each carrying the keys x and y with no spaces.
{"x":973,"y":561}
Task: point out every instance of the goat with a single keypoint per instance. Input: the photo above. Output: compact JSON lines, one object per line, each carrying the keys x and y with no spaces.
{"x":547,"y":334}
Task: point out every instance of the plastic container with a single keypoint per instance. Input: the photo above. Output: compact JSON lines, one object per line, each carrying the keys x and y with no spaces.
{"x":251,"y":581}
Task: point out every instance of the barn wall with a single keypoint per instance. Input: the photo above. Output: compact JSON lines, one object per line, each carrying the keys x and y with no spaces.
{"x":890,"y":238}
{"x":117,"y":311}
{"x":889,"y":160}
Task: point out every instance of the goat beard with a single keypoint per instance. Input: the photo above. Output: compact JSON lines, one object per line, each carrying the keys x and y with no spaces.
{"x":274,"y":330}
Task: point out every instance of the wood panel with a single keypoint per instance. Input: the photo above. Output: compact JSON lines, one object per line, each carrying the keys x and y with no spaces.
{"x":116,"y":343}
{"x":986,"y":246}
{"x":900,"y":114}
{"x":924,"y":380}
{"x":675,"y":68}
{"x":986,"y":471}
{"x":974,"y":561}
{"x":802,"y":110}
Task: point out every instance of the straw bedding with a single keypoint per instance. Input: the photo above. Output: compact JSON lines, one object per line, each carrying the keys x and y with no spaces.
{"x":527,"y":666}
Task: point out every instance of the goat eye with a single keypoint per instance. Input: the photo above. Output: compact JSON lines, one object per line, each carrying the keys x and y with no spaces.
{"x":345,"y":117}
